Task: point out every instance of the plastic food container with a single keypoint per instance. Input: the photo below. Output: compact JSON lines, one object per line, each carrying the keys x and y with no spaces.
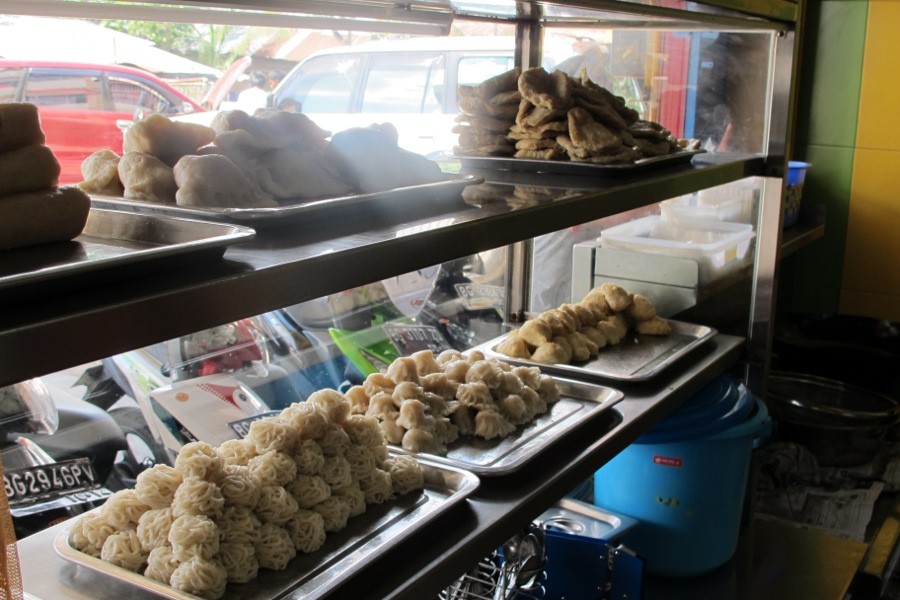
{"x":796,"y":177}
{"x":685,"y":481}
{"x":734,"y":202}
{"x":717,"y":247}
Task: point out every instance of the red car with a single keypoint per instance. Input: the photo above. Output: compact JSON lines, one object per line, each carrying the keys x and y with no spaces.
{"x":85,"y":107}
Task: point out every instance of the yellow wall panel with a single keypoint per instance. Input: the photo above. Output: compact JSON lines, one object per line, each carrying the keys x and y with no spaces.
{"x":872,"y":254}
{"x":880,"y":91}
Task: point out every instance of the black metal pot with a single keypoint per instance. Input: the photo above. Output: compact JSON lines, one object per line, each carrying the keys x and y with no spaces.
{"x":841,"y":424}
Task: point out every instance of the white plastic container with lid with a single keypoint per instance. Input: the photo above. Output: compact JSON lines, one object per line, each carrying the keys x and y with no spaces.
{"x":734,"y":202}
{"x":718,"y":247}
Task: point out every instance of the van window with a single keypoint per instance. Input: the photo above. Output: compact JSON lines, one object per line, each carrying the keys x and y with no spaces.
{"x":404,"y":83}
{"x":66,"y":89}
{"x":9,"y":83}
{"x":323,"y":84}
{"x":129,"y":96}
{"x":472,"y":70}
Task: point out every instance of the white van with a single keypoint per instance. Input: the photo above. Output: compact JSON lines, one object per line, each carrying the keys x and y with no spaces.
{"x":410,"y":83}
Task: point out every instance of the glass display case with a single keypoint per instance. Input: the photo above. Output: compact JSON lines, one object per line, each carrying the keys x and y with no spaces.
{"x":324,"y":299}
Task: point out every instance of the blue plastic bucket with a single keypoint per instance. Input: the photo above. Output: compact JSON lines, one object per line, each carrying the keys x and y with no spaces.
{"x":685,"y":481}
{"x":794,"y":191}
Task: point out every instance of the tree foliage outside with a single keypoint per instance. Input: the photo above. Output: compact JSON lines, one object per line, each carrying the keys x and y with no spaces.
{"x":205,"y":44}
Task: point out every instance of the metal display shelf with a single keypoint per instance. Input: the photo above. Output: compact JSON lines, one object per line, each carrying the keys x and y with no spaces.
{"x":440,"y":551}
{"x":285,"y":266}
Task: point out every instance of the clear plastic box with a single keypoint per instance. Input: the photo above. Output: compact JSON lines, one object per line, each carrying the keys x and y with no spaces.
{"x":733,"y":202}
{"x":718,"y":247}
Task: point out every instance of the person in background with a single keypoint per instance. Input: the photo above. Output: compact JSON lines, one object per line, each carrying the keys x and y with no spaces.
{"x":256,"y":96}
{"x":275,"y":77}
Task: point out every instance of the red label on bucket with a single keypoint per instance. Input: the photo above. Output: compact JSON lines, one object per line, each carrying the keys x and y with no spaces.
{"x":667,"y":461}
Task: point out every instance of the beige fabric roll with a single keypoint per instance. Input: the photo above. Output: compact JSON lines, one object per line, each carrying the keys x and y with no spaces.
{"x":19,"y":126}
{"x":28,"y":169}
{"x":53,"y":215}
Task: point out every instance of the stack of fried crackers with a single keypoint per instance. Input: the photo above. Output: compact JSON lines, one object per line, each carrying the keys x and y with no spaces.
{"x":555,"y":117}
{"x":488,"y":110}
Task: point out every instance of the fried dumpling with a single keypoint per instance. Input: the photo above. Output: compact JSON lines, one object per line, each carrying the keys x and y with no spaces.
{"x":305,"y":174}
{"x":147,"y":178}
{"x":214,"y":180}
{"x":101,"y":173}
{"x":166,"y":139}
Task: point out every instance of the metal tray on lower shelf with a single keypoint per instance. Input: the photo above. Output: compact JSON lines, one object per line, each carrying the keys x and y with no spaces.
{"x":579,"y":401}
{"x":567,"y":167}
{"x":386,"y":202}
{"x":637,"y":358}
{"x":308,"y":576}
{"x":113,"y":244}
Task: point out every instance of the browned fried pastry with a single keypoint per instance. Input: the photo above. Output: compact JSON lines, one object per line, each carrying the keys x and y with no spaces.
{"x":603,"y":113}
{"x":588,"y":134}
{"x":536,"y":332}
{"x":641,"y":309}
{"x":504,"y":82}
{"x":476,"y":106}
{"x":623,"y":155}
{"x":483,"y":122}
{"x":597,"y":301}
{"x":289,"y":173}
{"x":165,"y":139}
{"x":650,"y":148}
{"x":613,"y":329}
{"x":471,"y":137}
{"x":28,"y":169}
{"x":588,"y":89}
{"x":19,"y":126}
{"x":573,"y":151}
{"x":548,"y":154}
{"x":551,"y":353}
{"x":648,"y":130}
{"x":548,"y":90}
{"x":617,"y":297}
{"x":537,"y":144}
{"x":31,"y":218}
{"x":101,"y":173}
{"x":147,"y":178}
{"x":655,"y":326}
{"x":547,"y":130}
{"x":512,"y":97}
{"x":529,"y":115}
{"x":595,"y":335}
{"x":214,"y":180}
{"x":514,"y":346}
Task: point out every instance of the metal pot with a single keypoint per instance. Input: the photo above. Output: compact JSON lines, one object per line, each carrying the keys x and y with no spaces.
{"x":841,"y":424}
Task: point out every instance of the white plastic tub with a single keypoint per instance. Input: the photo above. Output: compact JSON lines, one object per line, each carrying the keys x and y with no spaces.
{"x":718,"y":247}
{"x":733,"y":202}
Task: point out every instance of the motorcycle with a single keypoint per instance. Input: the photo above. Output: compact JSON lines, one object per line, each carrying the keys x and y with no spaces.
{"x":61,"y":456}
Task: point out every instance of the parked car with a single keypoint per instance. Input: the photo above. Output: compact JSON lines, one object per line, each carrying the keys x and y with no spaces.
{"x":84,"y":107}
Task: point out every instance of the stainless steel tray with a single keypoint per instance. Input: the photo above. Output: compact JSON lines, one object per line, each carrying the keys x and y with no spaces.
{"x":579,"y":401}
{"x":566,"y":167}
{"x":388,"y":201}
{"x":637,"y":358}
{"x":114,"y":244}
{"x":308,"y":576}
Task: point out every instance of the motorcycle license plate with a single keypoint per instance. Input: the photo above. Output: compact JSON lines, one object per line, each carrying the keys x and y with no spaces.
{"x":33,"y":484}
